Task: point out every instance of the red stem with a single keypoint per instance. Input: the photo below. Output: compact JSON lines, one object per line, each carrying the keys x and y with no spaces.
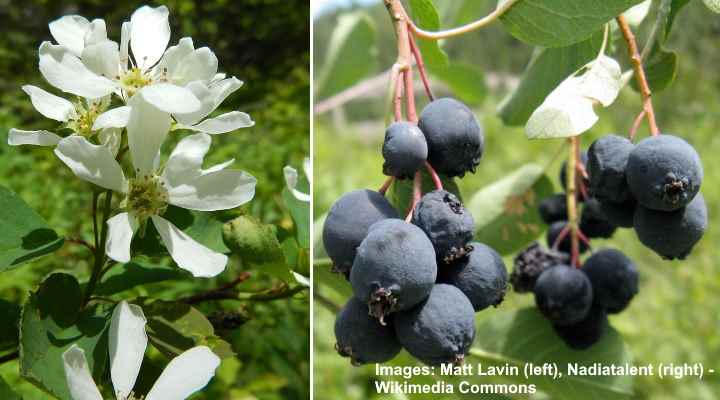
{"x":397,"y":99}
{"x":410,"y":95}
{"x":421,"y":66}
{"x":386,"y":185}
{"x":563,"y":234}
{"x":417,"y":194}
{"x":434,"y":175}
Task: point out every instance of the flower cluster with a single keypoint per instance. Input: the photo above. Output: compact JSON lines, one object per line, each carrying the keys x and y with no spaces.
{"x":146,"y":89}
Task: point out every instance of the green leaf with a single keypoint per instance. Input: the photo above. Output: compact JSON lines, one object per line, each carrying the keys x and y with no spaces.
{"x":350,"y":54}
{"x":42,"y":343}
{"x":544,"y":73}
{"x":425,"y":15}
{"x":505,"y":212}
{"x":324,"y":277}
{"x":201,"y":226}
{"x":466,"y":81}
{"x":24,"y":235}
{"x":569,"y":109}
{"x":558,"y":23}
{"x":525,"y":336}
{"x":174,"y":327}
{"x":401,"y":191}
{"x":713,"y":5}
{"x":675,"y":7}
{"x":10,"y":314}
{"x":60,"y":298}
{"x":300,"y":212}
{"x":132,"y":274}
{"x":6,"y":393}
{"x":660,"y":70}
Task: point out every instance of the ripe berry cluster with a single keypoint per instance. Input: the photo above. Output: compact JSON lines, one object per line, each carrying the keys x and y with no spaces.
{"x":652,"y":186}
{"x":416,"y":283}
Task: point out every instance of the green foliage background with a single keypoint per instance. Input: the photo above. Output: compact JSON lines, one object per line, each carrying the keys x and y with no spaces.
{"x":262,"y":42}
{"x":674,"y":318}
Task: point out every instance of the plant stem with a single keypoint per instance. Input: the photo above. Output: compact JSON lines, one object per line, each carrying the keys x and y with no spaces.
{"x":421,"y":66}
{"x":410,"y":95}
{"x":572,"y":200}
{"x":397,"y":85}
{"x":99,"y":248}
{"x":645,"y":92}
{"x":434,"y":175}
{"x":96,"y":196}
{"x":481,"y":23}
{"x":417,"y":194}
{"x":223,"y":292}
{"x":386,"y":185}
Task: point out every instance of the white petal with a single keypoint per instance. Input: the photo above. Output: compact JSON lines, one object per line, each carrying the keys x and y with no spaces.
{"x":149,"y":35}
{"x":69,"y":31}
{"x":218,"y":77}
{"x":93,"y":163}
{"x":124,"y":42}
{"x":66,"y":72}
{"x":147,"y":128}
{"x":291,"y":180}
{"x":77,"y":374}
{"x":111,"y":138}
{"x":187,"y":253}
{"x":214,"y":191}
{"x":128,"y":342}
{"x":120,"y":232}
{"x":17,"y":137}
{"x":200,"y":65}
{"x":116,"y":118}
{"x":102,"y":58}
{"x":171,"y":98}
{"x":185,"y":375}
{"x":223,"y":123}
{"x":95,"y":33}
{"x":185,"y":162}
{"x":173,"y":56}
{"x":210,"y":97}
{"x":49,"y":105}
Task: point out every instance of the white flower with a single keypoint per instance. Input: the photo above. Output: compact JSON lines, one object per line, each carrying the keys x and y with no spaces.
{"x":291,"y":180}
{"x":184,"y":375}
{"x":182,"y":182}
{"x":79,"y":117}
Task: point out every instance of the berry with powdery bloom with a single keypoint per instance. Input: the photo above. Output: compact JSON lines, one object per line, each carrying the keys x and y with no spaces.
{"x":394,"y":269}
{"x":664,"y":173}
{"x":672,"y":234}
{"x":404,"y":150}
{"x":447,"y":223}
{"x":614,"y":279}
{"x":563,"y":294}
{"x":439,"y":330}
{"x":455,"y":139}
{"x":607,"y":162}
{"x":348,"y":222}
{"x":362,"y":338}
{"x":481,"y":276}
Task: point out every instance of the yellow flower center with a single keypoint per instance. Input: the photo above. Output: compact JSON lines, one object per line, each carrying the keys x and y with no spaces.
{"x":147,"y":196}
{"x":134,"y":80}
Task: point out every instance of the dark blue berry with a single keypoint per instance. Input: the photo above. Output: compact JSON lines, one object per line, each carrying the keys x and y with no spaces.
{"x":583,"y":334}
{"x":348,"y":222}
{"x":439,"y":330}
{"x":404,"y":150}
{"x":614,"y":279}
{"x":481,"y":276}
{"x":446,"y":222}
{"x":563,"y":294}
{"x":553,"y":208}
{"x":454,"y":137}
{"x":394,"y":269}
{"x":607,"y":161}
{"x":361,"y":337}
{"x":664,"y":173}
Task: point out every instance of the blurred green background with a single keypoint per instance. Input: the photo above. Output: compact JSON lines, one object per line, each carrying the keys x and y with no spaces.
{"x":264,"y":43}
{"x":674,"y":318}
